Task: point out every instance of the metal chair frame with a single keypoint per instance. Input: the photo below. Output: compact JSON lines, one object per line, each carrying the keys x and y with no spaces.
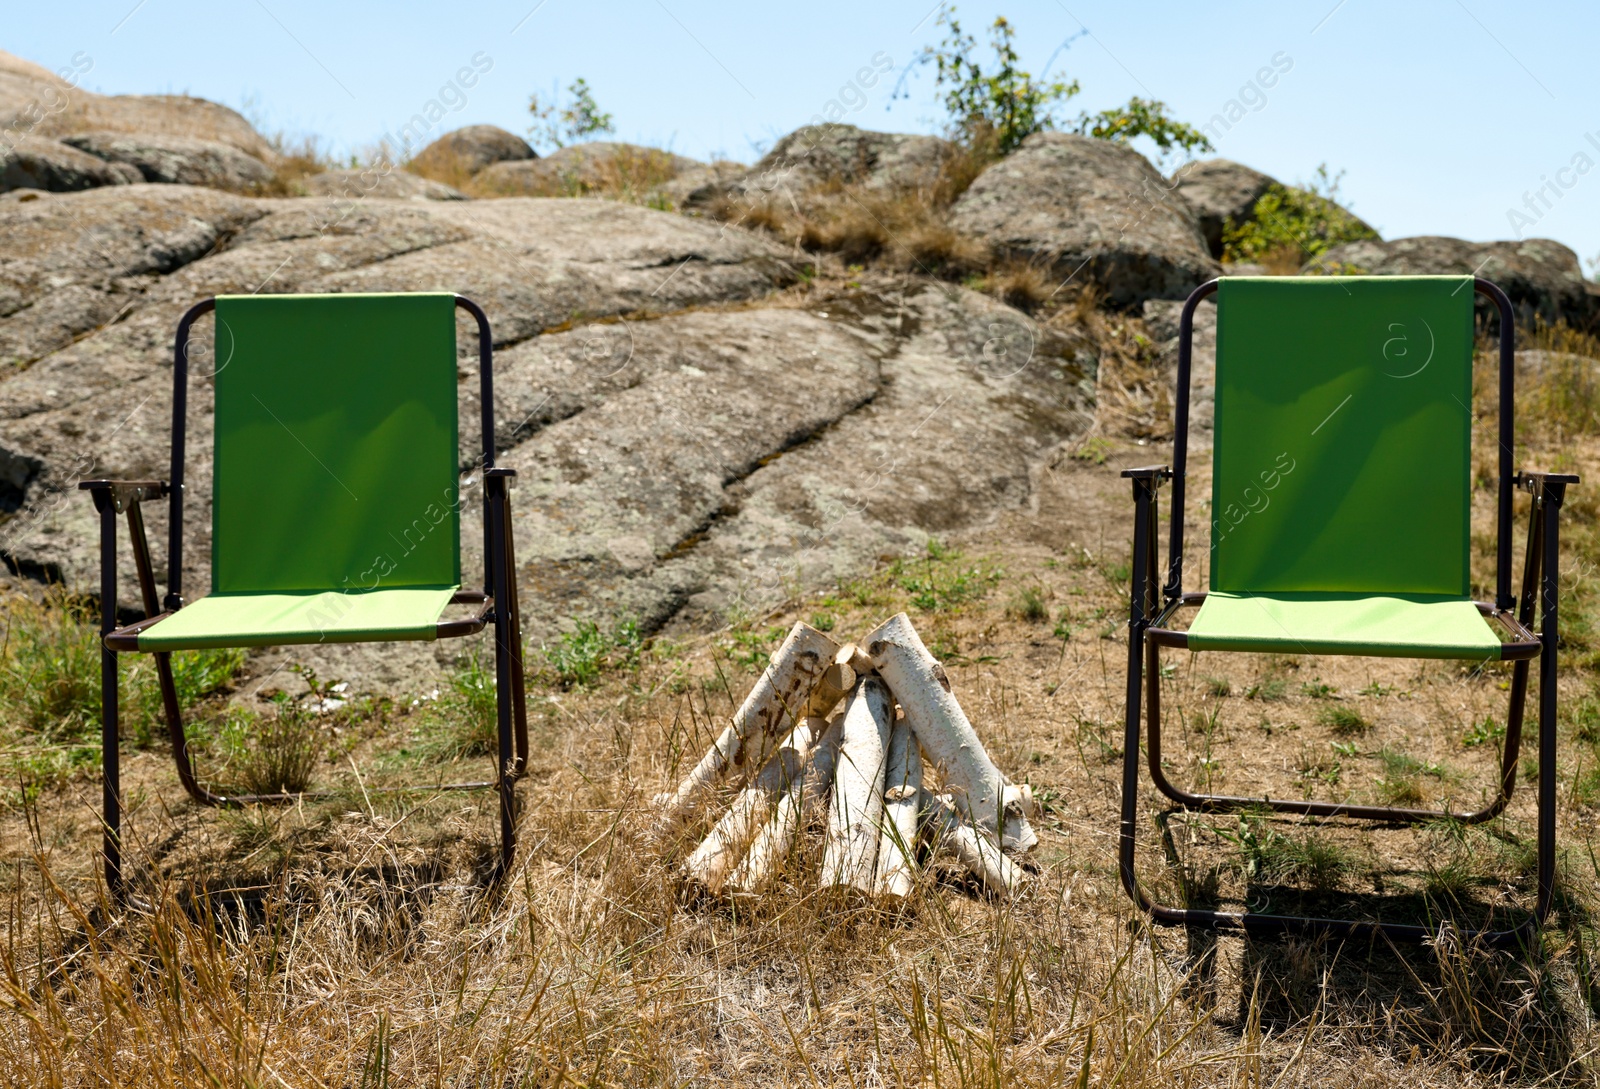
{"x":1154,"y":604}
{"x":496,"y":605}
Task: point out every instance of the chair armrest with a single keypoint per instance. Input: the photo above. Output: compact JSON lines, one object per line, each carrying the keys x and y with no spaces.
{"x":497,"y":481}
{"x":1533,"y":480}
{"x":1148,"y":472}
{"x":121,"y":493}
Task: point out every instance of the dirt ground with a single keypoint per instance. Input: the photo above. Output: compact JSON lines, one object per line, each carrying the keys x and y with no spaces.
{"x":353,"y":942}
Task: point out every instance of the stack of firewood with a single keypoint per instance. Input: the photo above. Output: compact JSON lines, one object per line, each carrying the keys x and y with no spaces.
{"x":867,"y":742}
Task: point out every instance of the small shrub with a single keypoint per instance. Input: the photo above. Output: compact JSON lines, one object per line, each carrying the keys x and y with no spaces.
{"x":274,"y":753}
{"x":1294,"y":226}
{"x":580,"y":119}
{"x":1025,"y":287}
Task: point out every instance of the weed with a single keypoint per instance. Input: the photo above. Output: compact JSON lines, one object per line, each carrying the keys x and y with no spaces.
{"x":463,"y":720}
{"x":1097,"y":733}
{"x":938,"y":583}
{"x":581,"y":655}
{"x":1344,"y":721}
{"x":1093,"y":450}
{"x":1268,"y":855}
{"x":1028,"y":605}
{"x":50,"y":690}
{"x":1402,"y":777}
{"x":274,"y":753}
{"x":1315,"y":768}
{"x":1484,"y":731}
{"x":1268,"y":690}
{"x":1317,"y":690}
{"x":824,"y":621}
{"x":1219,"y":687}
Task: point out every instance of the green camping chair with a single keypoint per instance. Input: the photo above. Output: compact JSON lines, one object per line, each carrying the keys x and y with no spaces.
{"x":335,"y":511}
{"x":1339,"y":525}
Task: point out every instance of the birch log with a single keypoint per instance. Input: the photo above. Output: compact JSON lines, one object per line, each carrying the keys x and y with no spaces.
{"x":902,"y":800}
{"x":723,"y":848}
{"x":836,"y":682}
{"x":856,"y":658}
{"x":777,"y":836}
{"x":850,"y":855}
{"x":919,"y":684}
{"x":955,"y":838}
{"x":1018,"y":805}
{"x":761,"y":720}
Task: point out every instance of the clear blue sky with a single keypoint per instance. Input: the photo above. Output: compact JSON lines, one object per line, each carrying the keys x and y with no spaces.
{"x":1444,"y":113}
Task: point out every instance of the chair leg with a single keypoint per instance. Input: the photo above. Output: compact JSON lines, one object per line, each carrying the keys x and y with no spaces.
{"x":1548,"y":512}
{"x":110,"y":751}
{"x":1140,"y":576}
{"x":507,"y":686}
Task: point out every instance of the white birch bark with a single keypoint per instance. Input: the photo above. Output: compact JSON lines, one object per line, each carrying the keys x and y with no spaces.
{"x":946,"y":735}
{"x":850,"y":854}
{"x":776,"y":700}
{"x":902,"y":799}
{"x":776,"y":838}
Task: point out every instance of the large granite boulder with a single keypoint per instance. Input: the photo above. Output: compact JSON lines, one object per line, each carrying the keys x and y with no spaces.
{"x":815,"y":156}
{"x":1088,"y":210}
{"x":599,"y":166}
{"x":36,"y":101}
{"x":1542,"y":277}
{"x":685,"y":445}
{"x":384,"y":181}
{"x":178,"y":160}
{"x":1220,"y":190}
{"x":91,"y":285}
{"x":37,"y":163}
{"x":468,"y":150}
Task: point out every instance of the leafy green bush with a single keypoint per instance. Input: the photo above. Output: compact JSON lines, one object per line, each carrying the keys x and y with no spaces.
{"x":1293,"y":226}
{"x":580,"y":119}
{"x":998,"y":108}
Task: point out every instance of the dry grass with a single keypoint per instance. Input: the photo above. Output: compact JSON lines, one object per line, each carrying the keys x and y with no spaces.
{"x":901,"y":228}
{"x":355,"y":941}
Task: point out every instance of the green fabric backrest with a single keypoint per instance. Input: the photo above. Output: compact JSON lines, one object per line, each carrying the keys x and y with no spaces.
{"x":335,"y":448}
{"x":1343,"y":434}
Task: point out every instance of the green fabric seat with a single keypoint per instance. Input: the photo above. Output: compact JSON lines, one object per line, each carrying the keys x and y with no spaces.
{"x":270,"y":620}
{"x":335,"y":504}
{"x":1342,"y":467}
{"x":1382,"y":625}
